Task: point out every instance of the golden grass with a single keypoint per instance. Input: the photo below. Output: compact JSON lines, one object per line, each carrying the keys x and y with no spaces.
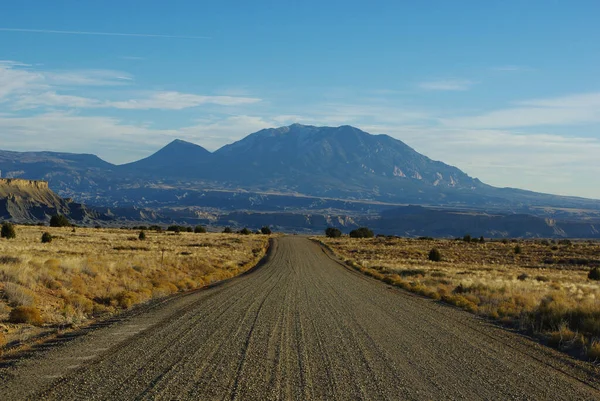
{"x":544,"y":289}
{"x":90,"y":272}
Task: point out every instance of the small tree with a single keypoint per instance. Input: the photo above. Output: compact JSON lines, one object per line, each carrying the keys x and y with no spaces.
{"x":8,"y":231}
{"x":481,"y":240}
{"x":518,"y":249}
{"x":435,"y":255}
{"x":266,"y":230}
{"x":142,"y":236}
{"x":594,"y":274}
{"x":332,"y":232}
{"x":58,"y":220}
{"x":467,"y":238}
{"x":245,"y":231}
{"x":227,"y":230}
{"x":199,"y":230}
{"x":362,"y":232}
{"x":46,"y":238}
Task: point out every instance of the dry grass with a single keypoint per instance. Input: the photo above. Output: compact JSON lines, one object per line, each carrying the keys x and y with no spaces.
{"x":544,"y":289}
{"x":93,"y":272}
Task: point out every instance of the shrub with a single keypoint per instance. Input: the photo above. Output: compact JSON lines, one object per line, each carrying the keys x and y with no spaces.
{"x":594,"y":274}
{"x":332,"y":232}
{"x":25,"y":314}
{"x":58,"y":220}
{"x":245,"y":231}
{"x":435,"y":255}
{"x":467,"y":238}
{"x":175,"y":229}
{"x":227,"y":230}
{"x":518,"y":249}
{"x":522,"y":277}
{"x":481,"y":240}
{"x":46,"y":238}
{"x":266,"y":230}
{"x":8,"y":231}
{"x":362,"y":232}
{"x":142,"y":236}
{"x":199,"y":230}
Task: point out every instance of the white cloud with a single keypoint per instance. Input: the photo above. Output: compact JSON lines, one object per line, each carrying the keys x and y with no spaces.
{"x":53,"y":99}
{"x":565,"y":110}
{"x":178,"y":101}
{"x":14,"y":81}
{"x":24,"y":88}
{"x":18,"y":79}
{"x":447,"y":85}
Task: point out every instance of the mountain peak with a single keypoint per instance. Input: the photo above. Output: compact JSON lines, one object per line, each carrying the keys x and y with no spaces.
{"x":176,"y":152}
{"x":180,"y":142}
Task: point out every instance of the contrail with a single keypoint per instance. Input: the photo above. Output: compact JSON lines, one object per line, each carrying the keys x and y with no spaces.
{"x":142,"y":35}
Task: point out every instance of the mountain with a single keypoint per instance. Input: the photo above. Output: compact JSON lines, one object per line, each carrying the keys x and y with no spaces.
{"x":179,"y":158}
{"x":298,"y":168}
{"x":336,"y":162}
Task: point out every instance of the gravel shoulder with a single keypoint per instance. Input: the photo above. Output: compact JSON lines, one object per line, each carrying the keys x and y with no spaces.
{"x":301,"y":326}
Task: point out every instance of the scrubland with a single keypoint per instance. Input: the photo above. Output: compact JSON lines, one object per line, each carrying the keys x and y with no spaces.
{"x":537,"y":286}
{"x":88,"y":273}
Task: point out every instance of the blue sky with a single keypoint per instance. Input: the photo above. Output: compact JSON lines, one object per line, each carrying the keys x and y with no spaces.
{"x":508,"y":91}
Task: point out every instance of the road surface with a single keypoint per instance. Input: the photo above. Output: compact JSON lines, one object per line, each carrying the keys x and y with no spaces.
{"x":300,"y":327}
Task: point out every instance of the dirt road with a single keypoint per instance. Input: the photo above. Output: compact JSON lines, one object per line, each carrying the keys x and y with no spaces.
{"x":300,"y":327}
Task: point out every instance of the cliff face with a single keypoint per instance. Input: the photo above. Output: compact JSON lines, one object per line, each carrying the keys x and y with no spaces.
{"x":28,"y":201}
{"x":18,"y":183}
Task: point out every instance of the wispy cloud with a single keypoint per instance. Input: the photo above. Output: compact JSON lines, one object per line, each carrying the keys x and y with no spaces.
{"x":141,"y":35}
{"x":158,"y":100}
{"x":447,"y":85}
{"x":23,"y":88}
{"x":566,"y":110}
{"x":178,"y":101}
{"x":511,"y":68}
{"x":87,"y":78}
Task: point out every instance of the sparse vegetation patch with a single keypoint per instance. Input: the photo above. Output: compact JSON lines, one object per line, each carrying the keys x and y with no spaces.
{"x":94,"y":272}
{"x":504,"y":280}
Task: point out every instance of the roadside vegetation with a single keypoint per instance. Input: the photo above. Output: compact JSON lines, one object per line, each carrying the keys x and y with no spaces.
{"x":55,"y":277}
{"x":543,"y":287}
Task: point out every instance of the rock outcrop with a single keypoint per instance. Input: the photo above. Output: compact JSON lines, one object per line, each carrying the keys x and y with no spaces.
{"x":32,"y":201}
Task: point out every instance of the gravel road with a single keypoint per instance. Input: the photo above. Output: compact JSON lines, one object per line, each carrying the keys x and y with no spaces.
{"x":301,"y":327}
